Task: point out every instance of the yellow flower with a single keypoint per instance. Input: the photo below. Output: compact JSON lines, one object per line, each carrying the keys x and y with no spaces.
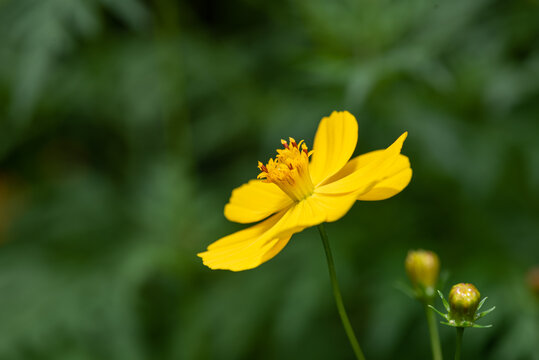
{"x":292,"y":193}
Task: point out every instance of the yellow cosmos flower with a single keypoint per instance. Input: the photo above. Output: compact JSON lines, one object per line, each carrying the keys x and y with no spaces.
{"x":291,"y":193}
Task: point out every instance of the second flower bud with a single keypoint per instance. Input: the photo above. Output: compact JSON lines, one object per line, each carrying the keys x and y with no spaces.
{"x":423,"y":268}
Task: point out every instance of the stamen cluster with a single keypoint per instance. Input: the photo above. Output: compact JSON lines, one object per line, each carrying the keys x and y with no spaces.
{"x":289,"y":170}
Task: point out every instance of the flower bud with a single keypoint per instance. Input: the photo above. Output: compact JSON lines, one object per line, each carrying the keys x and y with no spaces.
{"x":463,"y":302}
{"x":423,"y":268}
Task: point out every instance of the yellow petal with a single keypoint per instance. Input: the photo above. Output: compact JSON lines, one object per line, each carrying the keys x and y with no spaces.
{"x":388,"y":187}
{"x":276,"y":247}
{"x":248,"y":248}
{"x":334,"y":144}
{"x":334,"y":207}
{"x":246,"y":255}
{"x":245,"y":249}
{"x":255,"y":201}
{"x":398,"y":175}
{"x":364,"y":178}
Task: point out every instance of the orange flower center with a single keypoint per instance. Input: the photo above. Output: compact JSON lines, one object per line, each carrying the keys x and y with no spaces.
{"x":290,"y":170}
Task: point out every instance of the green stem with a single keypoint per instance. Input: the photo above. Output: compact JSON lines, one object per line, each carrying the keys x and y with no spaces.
{"x":433,"y":331}
{"x":458,"y":346}
{"x":338,"y":297}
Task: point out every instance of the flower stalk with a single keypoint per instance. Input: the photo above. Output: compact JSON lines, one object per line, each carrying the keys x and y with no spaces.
{"x":338,"y":297}
{"x":433,"y":332}
{"x":458,"y":345}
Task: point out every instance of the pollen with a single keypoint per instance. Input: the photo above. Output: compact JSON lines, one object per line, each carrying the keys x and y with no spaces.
{"x":289,"y":170}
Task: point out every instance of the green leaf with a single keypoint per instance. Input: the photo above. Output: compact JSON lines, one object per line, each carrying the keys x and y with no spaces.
{"x":486,"y":312}
{"x":445,"y":316}
{"x":446,"y":305}
{"x":481,"y":326}
{"x":482,"y":302}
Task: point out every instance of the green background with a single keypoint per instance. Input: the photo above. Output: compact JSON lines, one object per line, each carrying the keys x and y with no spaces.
{"x":125,"y":125}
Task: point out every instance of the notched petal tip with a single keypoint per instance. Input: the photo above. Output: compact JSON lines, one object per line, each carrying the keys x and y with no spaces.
{"x":341,"y":113}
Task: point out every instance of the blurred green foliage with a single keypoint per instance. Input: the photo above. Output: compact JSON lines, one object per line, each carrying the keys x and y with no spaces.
{"x":125,"y":124}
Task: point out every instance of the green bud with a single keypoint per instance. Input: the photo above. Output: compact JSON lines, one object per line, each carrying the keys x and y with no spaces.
{"x":463,"y":306}
{"x":423,"y":268}
{"x":463,"y":302}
